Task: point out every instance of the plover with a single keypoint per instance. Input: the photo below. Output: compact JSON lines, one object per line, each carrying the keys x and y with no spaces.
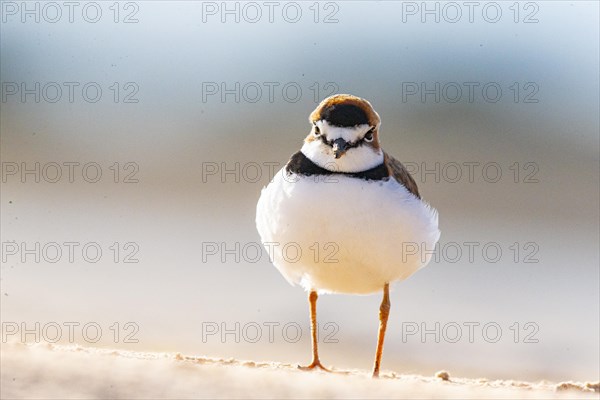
{"x":343,"y":216}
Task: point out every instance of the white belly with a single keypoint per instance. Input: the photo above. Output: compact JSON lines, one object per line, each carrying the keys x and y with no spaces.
{"x":345,"y":235}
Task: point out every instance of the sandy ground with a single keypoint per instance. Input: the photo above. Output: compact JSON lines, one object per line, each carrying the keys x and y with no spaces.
{"x":50,"y":371}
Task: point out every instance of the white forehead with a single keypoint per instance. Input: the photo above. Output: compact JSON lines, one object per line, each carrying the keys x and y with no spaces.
{"x":348,"y":133}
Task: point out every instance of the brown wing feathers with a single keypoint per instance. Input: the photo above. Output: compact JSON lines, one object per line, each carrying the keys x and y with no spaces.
{"x":399,"y":172}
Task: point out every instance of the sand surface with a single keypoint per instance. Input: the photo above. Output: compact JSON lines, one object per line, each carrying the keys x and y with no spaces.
{"x":51,"y":371}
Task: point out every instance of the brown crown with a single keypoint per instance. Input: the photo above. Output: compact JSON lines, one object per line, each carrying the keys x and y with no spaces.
{"x":345,"y":110}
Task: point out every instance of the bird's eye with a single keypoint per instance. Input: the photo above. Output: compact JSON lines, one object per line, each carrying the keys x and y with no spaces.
{"x":317,"y":131}
{"x":369,"y":135}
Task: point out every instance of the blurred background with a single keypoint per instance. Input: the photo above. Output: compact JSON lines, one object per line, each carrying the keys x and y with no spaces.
{"x":187,"y":108}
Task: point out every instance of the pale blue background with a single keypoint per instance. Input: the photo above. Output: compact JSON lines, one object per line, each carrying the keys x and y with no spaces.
{"x":170,"y":132}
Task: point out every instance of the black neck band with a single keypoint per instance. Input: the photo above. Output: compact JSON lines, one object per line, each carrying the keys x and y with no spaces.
{"x":302,"y":165}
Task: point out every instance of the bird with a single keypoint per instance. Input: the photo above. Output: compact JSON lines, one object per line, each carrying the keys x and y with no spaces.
{"x":343,"y":216}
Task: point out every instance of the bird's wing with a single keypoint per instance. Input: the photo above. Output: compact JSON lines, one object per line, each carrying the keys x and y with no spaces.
{"x":401,"y":174}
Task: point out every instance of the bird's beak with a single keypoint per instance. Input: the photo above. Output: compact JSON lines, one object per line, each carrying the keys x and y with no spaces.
{"x":339,"y":147}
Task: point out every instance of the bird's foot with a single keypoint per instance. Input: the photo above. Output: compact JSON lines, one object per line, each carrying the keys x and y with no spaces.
{"x":313,"y":365}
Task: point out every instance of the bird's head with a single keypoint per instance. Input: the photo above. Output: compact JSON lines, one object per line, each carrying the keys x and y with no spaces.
{"x":344,"y":135}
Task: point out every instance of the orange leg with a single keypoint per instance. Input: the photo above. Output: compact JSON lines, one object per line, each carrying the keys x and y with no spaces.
{"x":384,"y":312}
{"x":312,"y":298}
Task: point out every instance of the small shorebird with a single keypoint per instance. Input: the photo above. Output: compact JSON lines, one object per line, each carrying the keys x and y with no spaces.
{"x":351,"y":213}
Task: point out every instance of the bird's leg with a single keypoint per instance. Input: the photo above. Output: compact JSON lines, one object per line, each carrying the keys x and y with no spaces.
{"x":312,"y":298}
{"x":384,"y":312}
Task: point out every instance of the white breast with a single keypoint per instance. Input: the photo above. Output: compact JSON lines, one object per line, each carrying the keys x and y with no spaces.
{"x":346,"y":235}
